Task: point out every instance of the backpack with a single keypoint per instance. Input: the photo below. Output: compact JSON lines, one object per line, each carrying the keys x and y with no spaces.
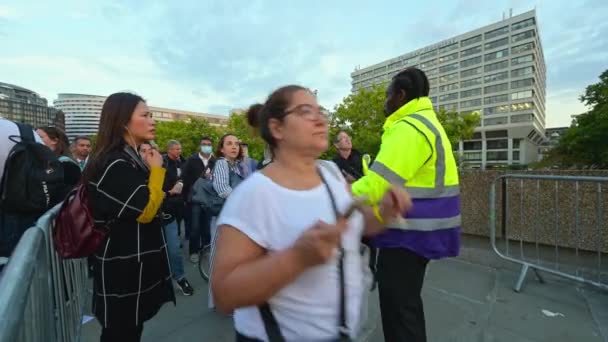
{"x":205,"y":195}
{"x":33,"y":176}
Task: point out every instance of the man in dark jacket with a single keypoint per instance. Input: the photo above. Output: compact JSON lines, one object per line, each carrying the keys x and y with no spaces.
{"x":197,"y":221}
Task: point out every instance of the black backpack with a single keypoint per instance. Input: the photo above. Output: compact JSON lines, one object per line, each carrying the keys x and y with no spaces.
{"x":33,"y":176}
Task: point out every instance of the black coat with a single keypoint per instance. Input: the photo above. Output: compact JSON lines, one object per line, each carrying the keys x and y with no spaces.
{"x":132,"y":279}
{"x":192,"y":171}
{"x":173,"y":204}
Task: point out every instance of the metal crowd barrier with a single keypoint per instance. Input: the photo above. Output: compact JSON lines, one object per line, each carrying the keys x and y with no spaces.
{"x":41,"y":295}
{"x":543,"y":216}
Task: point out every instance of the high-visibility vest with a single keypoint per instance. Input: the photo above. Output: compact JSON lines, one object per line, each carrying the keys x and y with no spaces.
{"x":416,"y":154}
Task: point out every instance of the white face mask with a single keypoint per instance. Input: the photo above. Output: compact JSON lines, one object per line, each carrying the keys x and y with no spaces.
{"x":206,"y":149}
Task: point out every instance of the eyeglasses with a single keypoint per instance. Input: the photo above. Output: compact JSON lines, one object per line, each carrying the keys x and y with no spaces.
{"x":309,"y":112}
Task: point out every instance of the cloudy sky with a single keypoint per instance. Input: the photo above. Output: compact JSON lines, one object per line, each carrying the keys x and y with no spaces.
{"x":215,"y":55}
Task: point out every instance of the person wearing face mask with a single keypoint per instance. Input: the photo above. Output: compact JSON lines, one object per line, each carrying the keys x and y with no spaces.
{"x":197,"y":221}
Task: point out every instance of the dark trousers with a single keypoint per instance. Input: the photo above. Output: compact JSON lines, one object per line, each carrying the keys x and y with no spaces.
{"x":187,"y":220}
{"x":400,"y":278}
{"x":126,"y":333}
{"x":200,"y":229}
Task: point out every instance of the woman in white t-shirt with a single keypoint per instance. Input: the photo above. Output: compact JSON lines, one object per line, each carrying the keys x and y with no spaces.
{"x":279,"y":236}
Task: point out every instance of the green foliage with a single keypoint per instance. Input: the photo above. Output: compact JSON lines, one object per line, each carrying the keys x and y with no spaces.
{"x":458,"y":126}
{"x":585,"y":144}
{"x":188,"y":133}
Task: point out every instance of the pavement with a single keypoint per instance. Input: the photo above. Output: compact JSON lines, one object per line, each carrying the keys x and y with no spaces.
{"x":469,"y":298}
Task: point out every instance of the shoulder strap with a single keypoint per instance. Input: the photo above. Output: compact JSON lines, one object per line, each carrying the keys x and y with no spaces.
{"x":26,"y":131}
{"x":342,"y":326}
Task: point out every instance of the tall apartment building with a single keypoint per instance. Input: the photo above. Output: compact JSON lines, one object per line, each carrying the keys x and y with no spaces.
{"x":82,"y":113}
{"x":23,"y":105}
{"x":498,"y":70}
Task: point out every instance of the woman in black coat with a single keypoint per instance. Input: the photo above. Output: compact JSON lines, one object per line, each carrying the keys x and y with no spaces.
{"x":132,"y":279}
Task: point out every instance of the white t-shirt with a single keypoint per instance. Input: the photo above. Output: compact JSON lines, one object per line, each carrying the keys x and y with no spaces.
{"x":7,"y":129}
{"x":274,"y":217}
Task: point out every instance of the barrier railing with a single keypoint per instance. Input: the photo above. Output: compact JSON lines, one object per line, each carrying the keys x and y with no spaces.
{"x":41,"y":295}
{"x":557,"y":223}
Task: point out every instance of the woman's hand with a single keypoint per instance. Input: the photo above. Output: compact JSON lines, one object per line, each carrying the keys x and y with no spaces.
{"x":395,"y":203}
{"x":153,"y":158}
{"x":316,"y":245}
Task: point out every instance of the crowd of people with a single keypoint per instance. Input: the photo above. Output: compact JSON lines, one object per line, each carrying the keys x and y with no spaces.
{"x":291,"y":253}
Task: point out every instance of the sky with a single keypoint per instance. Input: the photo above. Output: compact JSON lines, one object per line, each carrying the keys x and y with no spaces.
{"x":211,"y":56}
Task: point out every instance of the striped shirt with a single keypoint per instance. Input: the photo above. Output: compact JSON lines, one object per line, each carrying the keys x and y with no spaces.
{"x":221,"y":176}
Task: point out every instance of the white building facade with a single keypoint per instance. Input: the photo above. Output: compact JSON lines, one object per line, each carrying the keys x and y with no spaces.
{"x":82,"y":113}
{"x":498,"y":70}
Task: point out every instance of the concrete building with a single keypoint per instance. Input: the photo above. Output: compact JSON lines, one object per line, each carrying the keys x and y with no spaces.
{"x":23,"y":105}
{"x":498,"y":70}
{"x":82,"y":114}
{"x":552,"y":138}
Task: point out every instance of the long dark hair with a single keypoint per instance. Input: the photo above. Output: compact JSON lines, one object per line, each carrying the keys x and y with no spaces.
{"x":220,"y":145}
{"x":115,"y":115}
{"x":63,"y":143}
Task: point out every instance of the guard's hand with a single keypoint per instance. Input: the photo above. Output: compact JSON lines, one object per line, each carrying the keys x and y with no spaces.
{"x":395,"y":203}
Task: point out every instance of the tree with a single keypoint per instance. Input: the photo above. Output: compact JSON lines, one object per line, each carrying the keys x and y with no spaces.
{"x":362,"y":116}
{"x":188,"y":133}
{"x":586,"y":141}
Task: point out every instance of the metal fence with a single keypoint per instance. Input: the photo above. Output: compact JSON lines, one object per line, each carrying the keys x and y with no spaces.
{"x":551,"y":224}
{"x":41,"y":295}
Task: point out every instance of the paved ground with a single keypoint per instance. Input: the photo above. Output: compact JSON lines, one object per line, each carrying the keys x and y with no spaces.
{"x":467,"y":299}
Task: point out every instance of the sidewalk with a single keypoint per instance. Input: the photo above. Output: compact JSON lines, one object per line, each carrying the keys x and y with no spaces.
{"x":465,"y":300}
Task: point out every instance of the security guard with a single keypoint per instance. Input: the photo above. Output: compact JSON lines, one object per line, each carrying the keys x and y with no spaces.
{"x":417,"y":155}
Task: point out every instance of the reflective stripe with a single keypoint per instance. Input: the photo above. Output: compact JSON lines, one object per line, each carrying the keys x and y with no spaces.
{"x":446,"y":191}
{"x":387,"y":173}
{"x":440,"y":160}
{"x":426,"y":225}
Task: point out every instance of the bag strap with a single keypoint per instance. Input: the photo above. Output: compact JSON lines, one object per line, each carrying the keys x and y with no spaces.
{"x":342,"y":326}
{"x":26,"y":132}
{"x":270,"y":323}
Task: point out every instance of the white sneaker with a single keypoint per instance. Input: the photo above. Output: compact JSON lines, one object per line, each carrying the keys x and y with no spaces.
{"x":194,"y":258}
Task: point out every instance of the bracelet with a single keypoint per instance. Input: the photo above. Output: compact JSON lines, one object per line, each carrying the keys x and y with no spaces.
{"x":377,"y":214}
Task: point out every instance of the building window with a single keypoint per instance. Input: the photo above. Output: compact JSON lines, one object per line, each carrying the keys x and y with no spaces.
{"x":471,"y":41}
{"x":448,"y":97}
{"x":471,"y":156}
{"x":449,"y":106}
{"x":497,"y":32}
{"x":496,"y":77}
{"x":522,"y":36}
{"x":522,"y":72}
{"x":470,"y":62}
{"x":433,"y":81}
{"x":515,"y":156}
{"x":522,"y":48}
{"x":518,"y":107}
{"x":448,"y":78}
{"x":522,"y":83}
{"x":522,"y":24}
{"x":471,"y":51}
{"x":520,"y":95}
{"x":448,"y":48}
{"x":448,"y":58}
{"x":516,"y":142}
{"x":428,"y":64}
{"x":496,"y":110}
{"x":501,"y":144}
{"x":497,"y":155}
{"x":432,"y":72}
{"x":471,"y":145}
{"x":522,"y":60}
{"x":521,"y":118}
{"x":496,"y":88}
{"x":428,"y":55}
{"x":497,"y":43}
{"x":496,"y":66}
{"x":472,"y":82}
{"x":448,"y":87}
{"x":448,"y":67}
{"x":469,"y":93}
{"x":496,"y":121}
{"x":496,"y":55}
{"x":471,"y":103}
{"x":496,"y":99}
{"x":471,"y":72}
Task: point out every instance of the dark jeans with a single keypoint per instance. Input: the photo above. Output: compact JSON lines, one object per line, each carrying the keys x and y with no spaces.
{"x":126,"y":333}
{"x":400,"y":278}
{"x":200,"y":233}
